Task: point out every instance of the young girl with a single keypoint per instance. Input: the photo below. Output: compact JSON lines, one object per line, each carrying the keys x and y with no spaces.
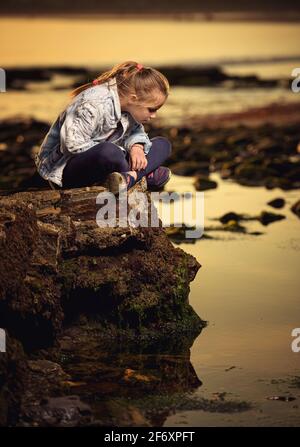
{"x":100,"y":135}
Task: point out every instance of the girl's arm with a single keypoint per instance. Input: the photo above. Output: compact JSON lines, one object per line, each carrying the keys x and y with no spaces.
{"x":138,"y":135}
{"x":79,"y":127}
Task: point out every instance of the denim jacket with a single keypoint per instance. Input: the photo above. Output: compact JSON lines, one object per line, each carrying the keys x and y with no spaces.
{"x":91,"y":118}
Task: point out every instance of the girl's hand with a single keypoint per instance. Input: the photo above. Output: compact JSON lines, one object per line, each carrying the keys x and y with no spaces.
{"x":138,"y":159}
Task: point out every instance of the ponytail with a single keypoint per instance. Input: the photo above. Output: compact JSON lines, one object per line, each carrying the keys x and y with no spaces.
{"x":131,"y":77}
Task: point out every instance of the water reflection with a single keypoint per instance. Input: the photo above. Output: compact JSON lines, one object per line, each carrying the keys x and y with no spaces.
{"x":127,"y":384}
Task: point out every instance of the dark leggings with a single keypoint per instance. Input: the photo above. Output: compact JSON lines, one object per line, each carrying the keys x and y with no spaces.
{"x":96,"y":163}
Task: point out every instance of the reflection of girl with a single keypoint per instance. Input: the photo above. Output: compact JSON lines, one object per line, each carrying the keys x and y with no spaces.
{"x":101,"y":133}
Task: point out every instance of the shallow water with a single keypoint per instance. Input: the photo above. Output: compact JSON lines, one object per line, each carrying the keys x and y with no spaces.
{"x":183,"y":103}
{"x":95,"y":42}
{"x":248,"y":291}
{"x":265,"y":49}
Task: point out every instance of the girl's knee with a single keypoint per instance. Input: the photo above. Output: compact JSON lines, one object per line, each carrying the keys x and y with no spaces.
{"x":163,"y":144}
{"x":109,"y":153}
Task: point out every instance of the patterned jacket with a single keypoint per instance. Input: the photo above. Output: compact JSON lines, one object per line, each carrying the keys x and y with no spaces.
{"x":91,"y":118}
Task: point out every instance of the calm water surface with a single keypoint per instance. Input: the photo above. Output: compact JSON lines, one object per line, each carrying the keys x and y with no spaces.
{"x":248,"y":290}
{"x":53,"y":41}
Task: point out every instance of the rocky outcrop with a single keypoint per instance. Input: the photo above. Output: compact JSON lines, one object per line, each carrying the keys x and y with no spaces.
{"x":210,"y":75}
{"x":64,"y":279}
{"x":57,"y":263}
{"x":261,"y":155}
{"x":265,"y":154}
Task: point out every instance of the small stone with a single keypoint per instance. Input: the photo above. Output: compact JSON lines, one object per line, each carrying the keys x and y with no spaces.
{"x":266,"y":218}
{"x":296,"y":208}
{"x":204,"y":183}
{"x":230,"y":216}
{"x":277,"y":203}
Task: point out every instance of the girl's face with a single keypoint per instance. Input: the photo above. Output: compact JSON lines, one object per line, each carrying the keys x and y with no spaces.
{"x":143,"y":112}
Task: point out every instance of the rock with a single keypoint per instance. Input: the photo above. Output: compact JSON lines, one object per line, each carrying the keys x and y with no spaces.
{"x":267,"y":146}
{"x":71,"y":286}
{"x":118,"y":414}
{"x":18,"y":78}
{"x":203,"y":183}
{"x":179,"y":75}
{"x":231,"y":221}
{"x":231,"y":216}
{"x":251,"y":174}
{"x":29,"y":298}
{"x":296,"y":208}
{"x":277,"y":203}
{"x":20,"y":136}
{"x":178,"y":234}
{"x":264,"y":155}
{"x":189,"y":168}
{"x":234,"y":226}
{"x":66,"y":411}
{"x":13,"y":377}
{"x":227,"y":169}
{"x":47,"y":368}
{"x":65,"y":265}
{"x":266,"y":218}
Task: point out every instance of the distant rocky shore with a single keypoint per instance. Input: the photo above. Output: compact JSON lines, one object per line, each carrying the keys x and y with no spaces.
{"x":201,"y":76}
{"x":259,"y":147}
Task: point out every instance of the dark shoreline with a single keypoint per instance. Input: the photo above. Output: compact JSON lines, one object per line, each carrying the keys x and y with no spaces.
{"x":280,"y":17}
{"x":197,"y":75}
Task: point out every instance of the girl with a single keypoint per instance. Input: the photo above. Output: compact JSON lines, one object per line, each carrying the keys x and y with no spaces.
{"x":100,"y":135}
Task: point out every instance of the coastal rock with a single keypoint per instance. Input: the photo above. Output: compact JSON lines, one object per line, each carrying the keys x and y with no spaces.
{"x":203,"y":183}
{"x":190,"y":168}
{"x":73,"y":286}
{"x":252,"y":174}
{"x":231,"y":216}
{"x":296,"y":208}
{"x":262,"y":155}
{"x":19,"y":138}
{"x":65,"y":265}
{"x":266,"y":217}
{"x":13,"y":377}
{"x":65,"y":411}
{"x":277,"y":203}
{"x":19,"y":78}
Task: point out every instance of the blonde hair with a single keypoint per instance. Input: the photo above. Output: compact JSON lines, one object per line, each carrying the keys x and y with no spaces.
{"x":131,"y":77}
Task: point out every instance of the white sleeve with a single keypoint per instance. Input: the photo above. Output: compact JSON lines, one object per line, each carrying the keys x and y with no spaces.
{"x":79,"y":127}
